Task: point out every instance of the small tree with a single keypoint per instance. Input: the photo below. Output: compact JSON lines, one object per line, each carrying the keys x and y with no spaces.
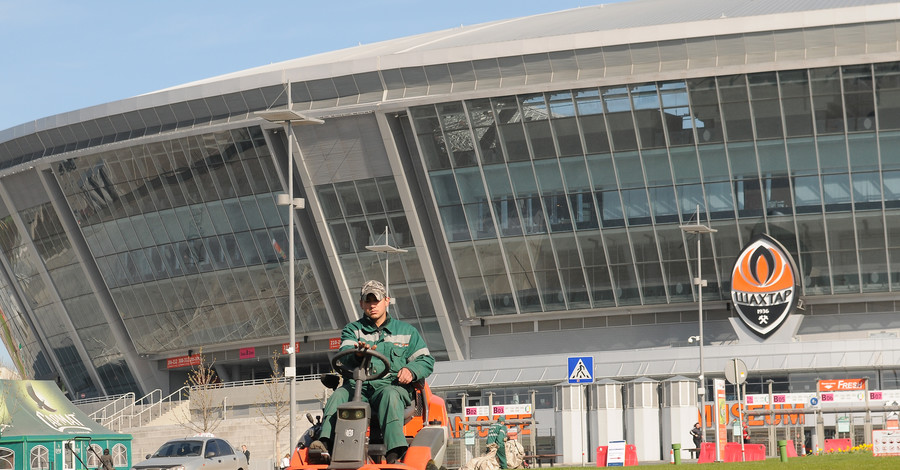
{"x":276,"y":399}
{"x":205,"y":409}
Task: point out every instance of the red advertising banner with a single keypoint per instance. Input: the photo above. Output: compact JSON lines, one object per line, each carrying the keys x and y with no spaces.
{"x":182,"y":361}
{"x":842,"y":385}
{"x":284,"y":348}
{"x":334,"y":343}
{"x":248,"y":353}
{"x":721,"y":417}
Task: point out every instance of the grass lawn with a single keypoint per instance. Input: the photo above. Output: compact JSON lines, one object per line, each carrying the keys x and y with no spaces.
{"x":854,"y":461}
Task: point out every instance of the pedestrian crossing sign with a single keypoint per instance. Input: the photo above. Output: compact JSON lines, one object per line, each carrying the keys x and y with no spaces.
{"x":581,"y":370}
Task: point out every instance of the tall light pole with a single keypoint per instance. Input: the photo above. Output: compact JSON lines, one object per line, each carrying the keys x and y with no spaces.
{"x":388,"y":250}
{"x":290,"y":118}
{"x":699,"y":282}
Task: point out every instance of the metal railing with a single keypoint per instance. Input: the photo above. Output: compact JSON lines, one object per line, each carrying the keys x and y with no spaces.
{"x":116,"y":404}
{"x":153,"y":405}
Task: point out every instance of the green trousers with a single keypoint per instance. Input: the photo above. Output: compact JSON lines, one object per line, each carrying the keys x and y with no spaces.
{"x":388,"y":402}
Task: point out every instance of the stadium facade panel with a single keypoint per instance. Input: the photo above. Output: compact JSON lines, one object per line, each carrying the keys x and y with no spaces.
{"x":538,"y":179}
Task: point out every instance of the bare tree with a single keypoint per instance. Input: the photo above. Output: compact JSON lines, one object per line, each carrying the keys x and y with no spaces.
{"x":205,"y":410}
{"x":276,"y":407}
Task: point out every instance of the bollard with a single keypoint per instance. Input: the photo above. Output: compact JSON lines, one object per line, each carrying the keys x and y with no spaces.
{"x":782,"y":450}
{"x":676,"y":450}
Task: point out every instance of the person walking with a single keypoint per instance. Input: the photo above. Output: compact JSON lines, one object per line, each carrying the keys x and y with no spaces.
{"x":246,"y":452}
{"x":697,"y":436}
{"x":106,"y":461}
{"x":497,"y":435}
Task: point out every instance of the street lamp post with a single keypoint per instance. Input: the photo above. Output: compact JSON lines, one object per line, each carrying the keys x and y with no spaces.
{"x":290,"y":118}
{"x":388,"y":250}
{"x":699,"y":282}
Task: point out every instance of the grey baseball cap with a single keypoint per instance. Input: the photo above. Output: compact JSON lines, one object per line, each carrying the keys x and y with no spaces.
{"x":373,"y":287}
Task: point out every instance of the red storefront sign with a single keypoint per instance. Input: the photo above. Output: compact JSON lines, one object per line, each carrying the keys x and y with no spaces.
{"x":334,"y":343}
{"x":842,"y":385}
{"x":284,"y":348}
{"x":248,"y":353}
{"x":182,"y":361}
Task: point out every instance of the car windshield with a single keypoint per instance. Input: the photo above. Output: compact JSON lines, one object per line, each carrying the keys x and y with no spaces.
{"x":179,"y":449}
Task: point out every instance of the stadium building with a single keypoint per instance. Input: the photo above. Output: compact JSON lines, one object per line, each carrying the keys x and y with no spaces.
{"x":542,"y":174}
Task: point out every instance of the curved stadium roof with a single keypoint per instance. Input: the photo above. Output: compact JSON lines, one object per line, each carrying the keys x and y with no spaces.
{"x":631,"y":22}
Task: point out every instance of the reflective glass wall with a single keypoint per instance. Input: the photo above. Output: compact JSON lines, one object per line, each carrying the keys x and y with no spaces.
{"x":190,"y":242}
{"x":572,"y":199}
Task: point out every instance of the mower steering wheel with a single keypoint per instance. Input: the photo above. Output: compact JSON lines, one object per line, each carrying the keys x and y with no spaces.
{"x":360,"y":372}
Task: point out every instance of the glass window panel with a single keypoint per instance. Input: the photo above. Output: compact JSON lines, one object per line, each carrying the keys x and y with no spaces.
{"x":235,"y":215}
{"x":656,"y":167}
{"x":772,"y":158}
{"x":663,"y":204}
{"x":526,"y":290}
{"x":462,"y":149}
{"x":736,"y":107}
{"x":866,"y":191}
{"x":676,"y":113}
{"x":454,"y":223}
{"x":522,"y":176}
{"x":863,"y":152}
{"x":501,"y":294}
{"x":532,"y":215}
{"x":777,"y":194}
{"x":507,"y":217}
{"x":575,"y":174}
{"x":550,"y":290}
{"x":802,"y":157}
{"x":588,"y":102}
{"x":475,"y":295}
{"x":843,"y":253}
{"x":858,"y":98}
{"x":371,"y":200}
{"x":742,"y":157}
{"x":836,"y":192}
{"x":444,"y":187}
{"x":807,"y":195}
{"x":891,"y":182}
{"x":583,"y":210}
{"x":557,"y":209}
{"x":685,"y":165}
{"x":576,"y":288}
{"x":480,"y":222}
{"x":342,"y":239}
{"x":721,"y":205}
{"x":887,"y":86}
{"x":689,"y":197}
{"x":602,"y":172}
{"x":621,"y":129}
{"x":514,"y":143}
{"x":463,"y":255}
{"x":567,"y":136}
{"x":252,"y":212}
{"x":217,"y":214}
{"x":705,"y":105}
{"x":471,"y":188}
{"x":832,"y":154}
{"x":637,"y":209}
{"x":628,"y":167}
{"x":795,"y":103}
{"x":610,"y":208}
{"x":827,"y":101}
{"x":346,"y":193}
{"x":541,"y":139}
{"x":748,"y":197}
{"x":596,"y":138}
{"x":648,"y":117}
{"x":497,"y":180}
{"x":434,"y":150}
{"x":714,"y":162}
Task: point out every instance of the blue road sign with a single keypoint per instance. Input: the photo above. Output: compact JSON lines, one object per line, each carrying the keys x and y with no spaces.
{"x":581,"y":370}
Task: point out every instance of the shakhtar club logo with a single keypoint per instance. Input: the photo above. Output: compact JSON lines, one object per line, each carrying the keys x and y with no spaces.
{"x":764,"y":285}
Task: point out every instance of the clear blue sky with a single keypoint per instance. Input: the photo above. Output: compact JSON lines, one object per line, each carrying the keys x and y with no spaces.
{"x":61,"y":55}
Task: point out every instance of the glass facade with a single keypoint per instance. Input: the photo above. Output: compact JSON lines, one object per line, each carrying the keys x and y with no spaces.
{"x":190,"y":242}
{"x":538,"y":196}
{"x":571,"y":199}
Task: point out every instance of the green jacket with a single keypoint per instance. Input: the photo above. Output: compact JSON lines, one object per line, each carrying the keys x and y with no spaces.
{"x":399,"y":341}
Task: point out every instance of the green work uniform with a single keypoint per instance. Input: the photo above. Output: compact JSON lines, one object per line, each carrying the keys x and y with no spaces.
{"x":497,"y":435}
{"x":401,"y":343}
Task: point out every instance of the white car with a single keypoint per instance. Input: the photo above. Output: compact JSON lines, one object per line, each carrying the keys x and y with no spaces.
{"x":195,"y":453}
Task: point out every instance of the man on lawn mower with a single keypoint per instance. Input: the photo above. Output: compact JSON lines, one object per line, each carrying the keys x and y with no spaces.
{"x":410,"y":361}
